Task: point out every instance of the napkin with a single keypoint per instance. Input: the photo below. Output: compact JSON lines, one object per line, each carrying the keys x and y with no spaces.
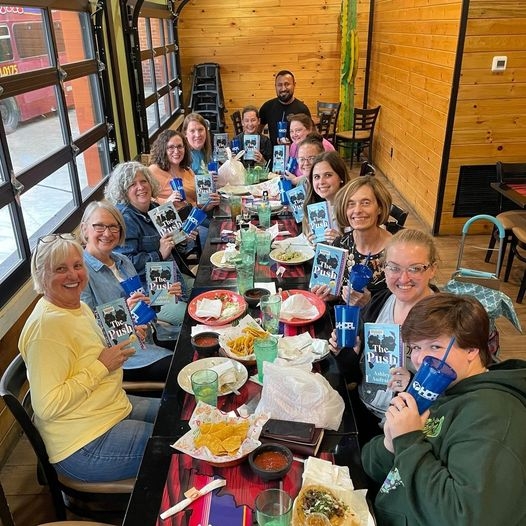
{"x":207,"y":308}
{"x":229,"y":253}
{"x":226,"y":373}
{"x":298,"y":241}
{"x":301,"y":346}
{"x":298,"y":306}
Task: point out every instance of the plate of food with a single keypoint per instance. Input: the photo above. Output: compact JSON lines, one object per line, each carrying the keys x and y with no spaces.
{"x":220,"y":439}
{"x":238,"y":342}
{"x":217,"y":307}
{"x":275,"y":207}
{"x":291,"y":255}
{"x":235,"y":376}
{"x":225,"y":260}
{"x":229,"y":189}
{"x":300,"y":307}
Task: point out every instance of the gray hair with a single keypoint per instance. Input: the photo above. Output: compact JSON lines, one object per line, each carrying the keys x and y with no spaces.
{"x":49,"y":252}
{"x":121,"y":179}
{"x":105,"y":205}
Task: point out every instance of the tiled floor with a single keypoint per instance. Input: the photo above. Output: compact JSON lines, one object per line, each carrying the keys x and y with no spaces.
{"x":30,"y":503}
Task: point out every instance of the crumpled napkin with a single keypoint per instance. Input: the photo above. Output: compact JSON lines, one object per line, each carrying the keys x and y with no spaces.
{"x":298,"y":241}
{"x":301,"y":346}
{"x":207,"y":308}
{"x":298,"y":306}
{"x":226,"y":373}
{"x":229,"y":253}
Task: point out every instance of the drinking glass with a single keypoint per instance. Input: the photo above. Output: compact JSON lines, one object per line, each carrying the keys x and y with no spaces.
{"x":273,"y":508}
{"x":264,"y":215}
{"x":263,"y":247}
{"x":266,"y":350}
{"x":205,"y":385}
{"x":270,"y":309}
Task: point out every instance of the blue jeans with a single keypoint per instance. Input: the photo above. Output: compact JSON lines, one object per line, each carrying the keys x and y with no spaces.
{"x":116,"y":454}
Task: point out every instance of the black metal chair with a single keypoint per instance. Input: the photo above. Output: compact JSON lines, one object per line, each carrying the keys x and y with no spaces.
{"x":98,"y":501}
{"x":361,"y":135}
{"x":518,"y":250}
{"x":236,"y":120}
{"x":332,"y":109}
{"x":399,"y":216}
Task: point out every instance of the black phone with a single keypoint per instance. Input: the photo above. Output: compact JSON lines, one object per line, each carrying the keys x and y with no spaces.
{"x":216,"y":240}
{"x":300,"y":431}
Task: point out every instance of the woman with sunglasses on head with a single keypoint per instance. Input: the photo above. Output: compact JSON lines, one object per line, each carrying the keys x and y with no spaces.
{"x":171,"y":158}
{"x":102,"y":228}
{"x":362,"y":207}
{"x":463,"y":461}
{"x":410,"y":264}
{"x":93,"y":431}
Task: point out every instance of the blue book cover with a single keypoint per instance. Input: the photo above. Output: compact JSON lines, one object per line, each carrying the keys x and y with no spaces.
{"x":279,"y":158}
{"x":383,"y":350}
{"x":167,"y":221}
{"x":250,"y":145}
{"x":116,"y":322}
{"x":328,"y":267}
{"x":204,"y":186}
{"x":319,"y":218}
{"x":296,"y":198}
{"x":159,"y":276}
{"x":220,"y":144}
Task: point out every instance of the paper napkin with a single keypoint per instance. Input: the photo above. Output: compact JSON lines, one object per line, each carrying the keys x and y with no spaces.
{"x":298,"y":306}
{"x":207,"y":308}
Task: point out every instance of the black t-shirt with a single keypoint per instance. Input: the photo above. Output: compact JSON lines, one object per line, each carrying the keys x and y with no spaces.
{"x":274,"y":111}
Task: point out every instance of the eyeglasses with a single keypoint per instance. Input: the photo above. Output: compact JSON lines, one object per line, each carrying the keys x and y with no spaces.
{"x":173,"y":147}
{"x":302,"y":160}
{"x":413,"y":270}
{"x":51,"y":238}
{"x":100,"y":228}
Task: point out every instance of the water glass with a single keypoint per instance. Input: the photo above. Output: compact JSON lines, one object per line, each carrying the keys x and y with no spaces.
{"x":235,"y":207}
{"x":264,"y":214}
{"x":270,"y":309}
{"x":266,"y":350}
{"x":205,"y":386}
{"x":245,"y":272}
{"x":248,"y":242}
{"x":263,"y":247}
{"x":274,"y":508}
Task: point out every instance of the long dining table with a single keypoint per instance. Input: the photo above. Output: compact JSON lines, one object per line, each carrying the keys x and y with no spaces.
{"x":166,"y":473}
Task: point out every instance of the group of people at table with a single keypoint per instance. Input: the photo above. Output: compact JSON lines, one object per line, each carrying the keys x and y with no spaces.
{"x":461,"y":462}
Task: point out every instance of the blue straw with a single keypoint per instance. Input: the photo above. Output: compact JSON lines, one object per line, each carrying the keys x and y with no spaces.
{"x":450,"y":344}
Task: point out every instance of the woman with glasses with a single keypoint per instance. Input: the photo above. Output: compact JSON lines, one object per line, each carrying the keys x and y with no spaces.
{"x":308,"y":149}
{"x":171,"y":158}
{"x":102,"y":228}
{"x":362,"y":207}
{"x":410,"y":263}
{"x":92,"y":430}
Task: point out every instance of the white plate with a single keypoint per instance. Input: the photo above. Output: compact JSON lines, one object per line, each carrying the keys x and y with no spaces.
{"x":217,"y":257}
{"x":305,"y":254}
{"x":275,"y":207}
{"x":183,"y":378}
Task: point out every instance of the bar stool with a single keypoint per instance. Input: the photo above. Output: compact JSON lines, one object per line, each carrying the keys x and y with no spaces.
{"x":518,"y":243}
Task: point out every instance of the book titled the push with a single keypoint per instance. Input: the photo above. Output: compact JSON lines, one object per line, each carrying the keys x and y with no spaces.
{"x":328,"y":267}
{"x":319,"y":218}
{"x":160,"y":275}
{"x":383,"y":350}
{"x":167,"y":221}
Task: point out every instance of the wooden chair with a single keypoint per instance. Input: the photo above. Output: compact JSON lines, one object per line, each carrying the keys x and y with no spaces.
{"x":399,"y":216}
{"x":236,"y":119}
{"x":361,"y":135}
{"x":332,"y":109}
{"x":507,"y":173}
{"x":97,"y":501}
{"x":518,"y":245}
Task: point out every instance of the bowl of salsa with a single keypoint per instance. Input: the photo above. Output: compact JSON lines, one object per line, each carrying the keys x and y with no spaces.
{"x":205,"y":344}
{"x":270,"y":461}
{"x":253,"y":296}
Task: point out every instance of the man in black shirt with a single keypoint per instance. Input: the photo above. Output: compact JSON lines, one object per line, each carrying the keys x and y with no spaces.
{"x":275,"y":110}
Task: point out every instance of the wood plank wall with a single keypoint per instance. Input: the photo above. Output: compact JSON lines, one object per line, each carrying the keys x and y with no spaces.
{"x":413,"y":56}
{"x":253,"y":39}
{"x":490,"y":121}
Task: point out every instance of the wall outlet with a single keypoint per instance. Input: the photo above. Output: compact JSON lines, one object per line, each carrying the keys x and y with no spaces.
{"x":499,"y":63}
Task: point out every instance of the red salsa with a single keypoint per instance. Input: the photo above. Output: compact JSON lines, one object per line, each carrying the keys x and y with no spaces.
{"x":206,"y":341}
{"x":271,"y":461}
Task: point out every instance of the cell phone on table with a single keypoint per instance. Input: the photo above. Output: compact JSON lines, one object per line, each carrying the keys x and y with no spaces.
{"x":300,"y":431}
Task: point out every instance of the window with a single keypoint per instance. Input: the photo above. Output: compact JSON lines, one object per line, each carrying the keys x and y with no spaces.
{"x":56,"y":143}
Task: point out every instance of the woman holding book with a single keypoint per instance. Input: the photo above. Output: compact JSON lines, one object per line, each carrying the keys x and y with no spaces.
{"x":93,"y":430}
{"x":131,"y":189}
{"x":308,"y":149}
{"x":362,"y":207}
{"x":196,"y":132}
{"x":102,"y":228}
{"x":328,"y":174}
{"x":410,"y":264}
{"x":171,"y":158}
